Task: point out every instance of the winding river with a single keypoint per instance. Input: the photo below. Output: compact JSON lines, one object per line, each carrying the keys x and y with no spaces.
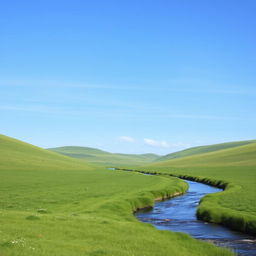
{"x":179,"y":214}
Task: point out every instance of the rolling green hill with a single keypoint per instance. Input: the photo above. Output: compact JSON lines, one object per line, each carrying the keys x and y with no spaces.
{"x":101,"y":157}
{"x":18,"y":155}
{"x":204,"y":149}
{"x":233,"y":168}
{"x":242,"y":155}
{"x":55,"y":205}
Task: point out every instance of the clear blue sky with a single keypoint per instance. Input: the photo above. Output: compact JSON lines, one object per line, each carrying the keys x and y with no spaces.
{"x":128,"y":76}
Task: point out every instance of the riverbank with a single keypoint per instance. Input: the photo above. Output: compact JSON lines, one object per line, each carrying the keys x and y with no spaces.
{"x":210,"y":208}
{"x":234,"y":170}
{"x":159,"y":199}
{"x":179,"y":215}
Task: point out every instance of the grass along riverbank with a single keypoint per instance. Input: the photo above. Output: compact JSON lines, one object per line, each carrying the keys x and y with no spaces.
{"x":233,"y":169}
{"x":54,"y":205}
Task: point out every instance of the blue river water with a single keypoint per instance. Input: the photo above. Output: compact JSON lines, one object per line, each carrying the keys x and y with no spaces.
{"x":179,"y":214}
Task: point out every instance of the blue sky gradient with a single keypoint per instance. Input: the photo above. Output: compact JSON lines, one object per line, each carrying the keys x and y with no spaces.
{"x":128,"y":76}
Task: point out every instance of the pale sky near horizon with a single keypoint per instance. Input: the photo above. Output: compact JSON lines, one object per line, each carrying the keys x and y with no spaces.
{"x":128,"y":76}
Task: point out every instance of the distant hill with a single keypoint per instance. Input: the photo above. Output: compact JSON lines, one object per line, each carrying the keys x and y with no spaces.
{"x":204,"y":149}
{"x":18,"y":155}
{"x":101,"y":157}
{"x":243,"y":155}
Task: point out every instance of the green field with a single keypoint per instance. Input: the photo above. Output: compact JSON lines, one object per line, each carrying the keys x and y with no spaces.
{"x":235,"y":170}
{"x":55,"y":205}
{"x":104,"y":158}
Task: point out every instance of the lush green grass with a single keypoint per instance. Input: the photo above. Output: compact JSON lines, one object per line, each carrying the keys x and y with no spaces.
{"x":101,"y":157}
{"x":204,"y":149}
{"x":58,"y":206}
{"x":236,"y":169}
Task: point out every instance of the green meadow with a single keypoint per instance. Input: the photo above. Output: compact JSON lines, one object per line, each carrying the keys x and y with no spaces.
{"x":232,"y":168}
{"x":55,"y":205}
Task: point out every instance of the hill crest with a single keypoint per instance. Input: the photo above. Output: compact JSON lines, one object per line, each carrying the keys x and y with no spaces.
{"x":203,"y":149}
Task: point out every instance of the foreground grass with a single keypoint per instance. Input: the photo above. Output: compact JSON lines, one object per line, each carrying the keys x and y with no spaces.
{"x":88,"y":213}
{"x":74,"y":211}
{"x":233,"y":169}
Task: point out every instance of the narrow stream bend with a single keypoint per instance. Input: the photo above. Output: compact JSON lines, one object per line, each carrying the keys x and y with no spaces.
{"x":179,"y":214}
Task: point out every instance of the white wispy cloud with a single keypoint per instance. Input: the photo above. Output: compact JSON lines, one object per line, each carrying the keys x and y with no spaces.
{"x":63,"y":84}
{"x":30,"y":108}
{"x":127,"y":139}
{"x":156,"y":143}
{"x":185,"y":85}
{"x":180,"y":145}
{"x":106,"y":111}
{"x":163,"y":144}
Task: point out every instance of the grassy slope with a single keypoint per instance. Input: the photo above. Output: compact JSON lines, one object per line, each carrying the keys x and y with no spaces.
{"x":18,"y":155}
{"x":54,"y":205}
{"x":101,"y":157}
{"x":204,"y":149}
{"x":236,"y":168}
